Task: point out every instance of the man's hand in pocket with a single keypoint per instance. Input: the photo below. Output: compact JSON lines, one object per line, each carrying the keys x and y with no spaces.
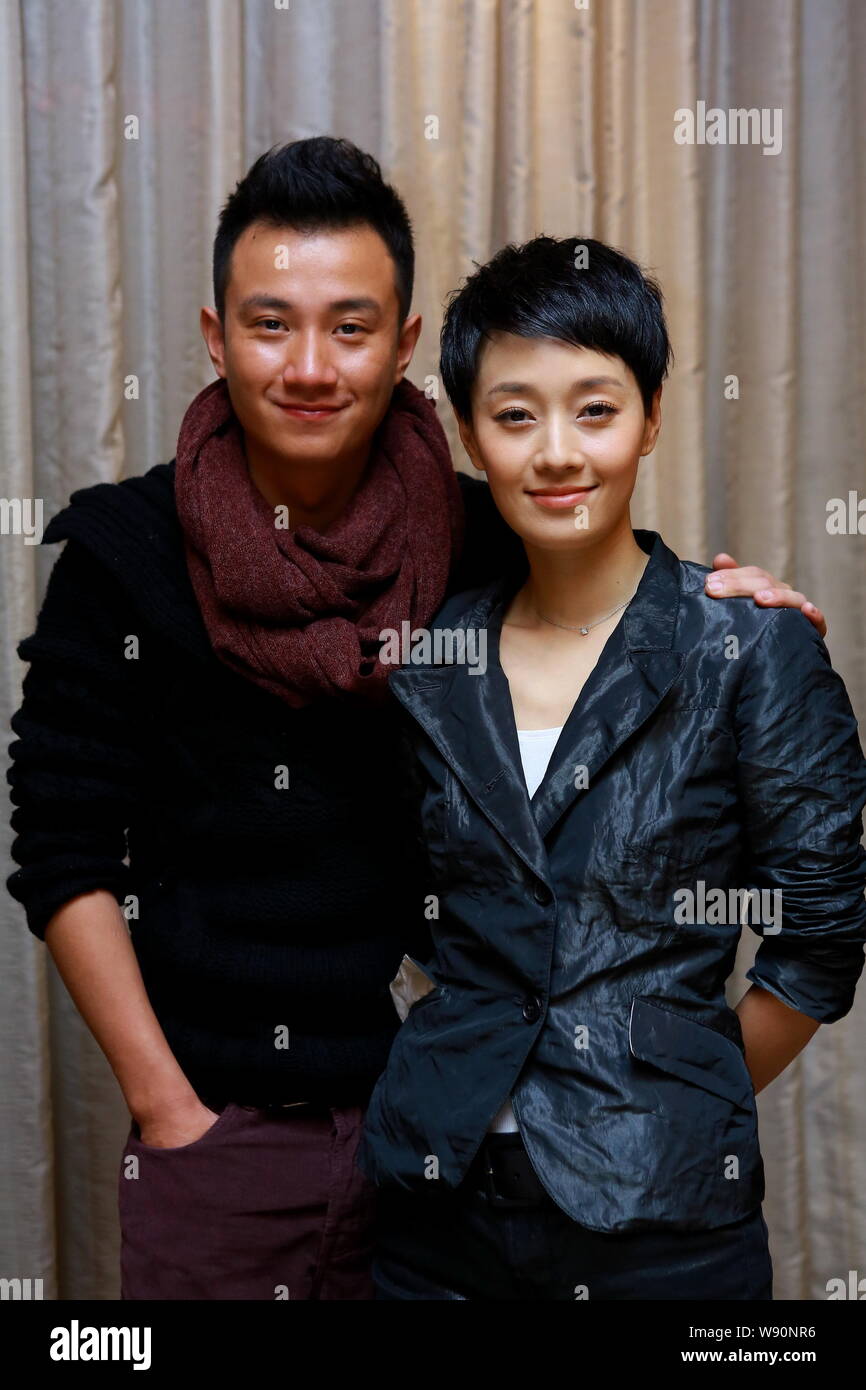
{"x":176,"y":1125}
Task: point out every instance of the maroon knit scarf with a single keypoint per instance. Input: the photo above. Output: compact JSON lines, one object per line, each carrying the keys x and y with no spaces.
{"x":299,"y":612}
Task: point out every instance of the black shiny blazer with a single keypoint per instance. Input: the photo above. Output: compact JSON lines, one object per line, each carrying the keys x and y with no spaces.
{"x":577,"y":960}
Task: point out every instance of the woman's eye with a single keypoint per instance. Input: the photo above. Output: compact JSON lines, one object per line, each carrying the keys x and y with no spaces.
{"x":596,"y":410}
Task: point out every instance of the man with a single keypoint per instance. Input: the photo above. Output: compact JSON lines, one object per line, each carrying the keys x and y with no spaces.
{"x":210,"y":829}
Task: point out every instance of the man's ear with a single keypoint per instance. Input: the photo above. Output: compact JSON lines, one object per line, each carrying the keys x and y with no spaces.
{"x":467,"y":436}
{"x":214,"y":338}
{"x":406,"y":343}
{"x":652,"y":424}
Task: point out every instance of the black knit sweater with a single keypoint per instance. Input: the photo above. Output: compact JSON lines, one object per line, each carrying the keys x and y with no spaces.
{"x":267,"y":919}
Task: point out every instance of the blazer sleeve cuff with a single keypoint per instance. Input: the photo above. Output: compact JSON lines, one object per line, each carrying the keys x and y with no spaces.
{"x":821,"y":991}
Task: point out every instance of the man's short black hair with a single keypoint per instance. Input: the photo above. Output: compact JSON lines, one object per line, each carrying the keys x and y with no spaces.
{"x":311,"y":186}
{"x":539,"y":290}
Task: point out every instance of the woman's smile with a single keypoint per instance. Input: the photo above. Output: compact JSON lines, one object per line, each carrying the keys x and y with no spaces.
{"x":560,"y":498}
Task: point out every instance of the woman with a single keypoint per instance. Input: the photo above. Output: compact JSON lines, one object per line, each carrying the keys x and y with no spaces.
{"x":570,"y":1111}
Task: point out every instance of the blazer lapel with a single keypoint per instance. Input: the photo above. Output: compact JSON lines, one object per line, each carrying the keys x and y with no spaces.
{"x":636,"y":669}
{"x":470,"y":718}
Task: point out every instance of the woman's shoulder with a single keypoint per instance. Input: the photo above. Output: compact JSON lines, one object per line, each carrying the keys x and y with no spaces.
{"x":703,"y":618}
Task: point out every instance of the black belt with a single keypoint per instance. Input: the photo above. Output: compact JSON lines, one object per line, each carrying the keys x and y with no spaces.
{"x":503,"y":1172}
{"x":280,"y":1105}
{"x":272,"y":1107}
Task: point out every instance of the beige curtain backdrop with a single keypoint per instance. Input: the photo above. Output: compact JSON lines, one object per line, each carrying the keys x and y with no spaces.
{"x":496,"y":119}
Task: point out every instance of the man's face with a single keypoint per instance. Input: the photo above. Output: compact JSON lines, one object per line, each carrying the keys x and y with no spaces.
{"x":556,"y":429}
{"x":312,"y":345}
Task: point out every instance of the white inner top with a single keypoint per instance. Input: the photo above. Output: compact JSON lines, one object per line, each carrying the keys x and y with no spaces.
{"x":536,"y":746}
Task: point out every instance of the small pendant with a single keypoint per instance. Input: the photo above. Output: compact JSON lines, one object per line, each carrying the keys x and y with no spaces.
{"x":584,"y":630}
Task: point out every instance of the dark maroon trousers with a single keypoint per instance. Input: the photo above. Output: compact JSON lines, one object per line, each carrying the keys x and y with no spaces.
{"x":265,"y":1205}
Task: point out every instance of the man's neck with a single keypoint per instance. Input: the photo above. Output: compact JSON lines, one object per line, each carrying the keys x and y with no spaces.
{"x":314,"y":496}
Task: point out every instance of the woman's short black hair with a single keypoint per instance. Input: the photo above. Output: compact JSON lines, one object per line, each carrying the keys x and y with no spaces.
{"x":575,"y":290}
{"x":313,"y":185}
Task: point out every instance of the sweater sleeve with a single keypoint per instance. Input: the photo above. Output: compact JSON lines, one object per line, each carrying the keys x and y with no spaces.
{"x":802,"y":778}
{"x":74,"y":768}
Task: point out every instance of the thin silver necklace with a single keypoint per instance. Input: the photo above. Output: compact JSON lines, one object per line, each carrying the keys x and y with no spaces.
{"x":585,"y":627}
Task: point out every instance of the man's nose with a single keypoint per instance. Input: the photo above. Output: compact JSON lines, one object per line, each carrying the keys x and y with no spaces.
{"x":309,"y":360}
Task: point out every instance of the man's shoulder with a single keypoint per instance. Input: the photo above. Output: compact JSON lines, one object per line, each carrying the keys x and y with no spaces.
{"x":470,"y":486}
{"x":143,"y":501}
{"x":131,"y":533}
{"x":464,"y":606}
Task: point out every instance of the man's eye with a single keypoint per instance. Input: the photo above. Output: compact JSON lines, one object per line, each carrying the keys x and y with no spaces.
{"x":356,"y":327}
{"x":264,"y":323}
{"x":512,"y":414}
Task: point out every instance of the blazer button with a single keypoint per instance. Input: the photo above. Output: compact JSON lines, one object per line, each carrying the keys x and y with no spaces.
{"x":532,"y":1009}
{"x":542,"y":894}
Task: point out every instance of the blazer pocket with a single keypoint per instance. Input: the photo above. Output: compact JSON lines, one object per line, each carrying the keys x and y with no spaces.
{"x":410,"y":985}
{"x":671,"y":845}
{"x":692,"y":1051}
{"x":433,"y":996}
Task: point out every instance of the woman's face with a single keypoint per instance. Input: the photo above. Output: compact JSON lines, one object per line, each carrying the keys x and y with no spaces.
{"x":560,"y":432}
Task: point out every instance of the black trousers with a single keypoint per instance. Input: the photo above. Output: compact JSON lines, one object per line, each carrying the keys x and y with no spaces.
{"x":468,"y":1243}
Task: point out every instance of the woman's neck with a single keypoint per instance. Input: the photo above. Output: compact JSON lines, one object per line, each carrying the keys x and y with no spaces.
{"x":573,"y":588}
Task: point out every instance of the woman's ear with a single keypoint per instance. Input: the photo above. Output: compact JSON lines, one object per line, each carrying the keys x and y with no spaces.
{"x":467,"y":437}
{"x":652,"y":424}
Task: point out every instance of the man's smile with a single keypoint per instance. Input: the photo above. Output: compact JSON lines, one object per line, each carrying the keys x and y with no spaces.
{"x":310,"y":412}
